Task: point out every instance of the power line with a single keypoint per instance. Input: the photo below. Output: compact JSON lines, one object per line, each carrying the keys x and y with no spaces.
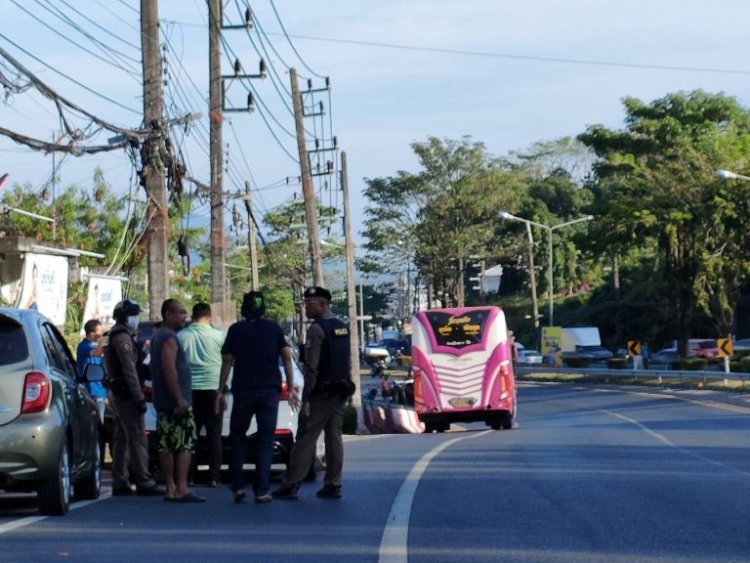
{"x":519,"y":57}
{"x":288,"y":38}
{"x":104,"y":29}
{"x":73,"y":80}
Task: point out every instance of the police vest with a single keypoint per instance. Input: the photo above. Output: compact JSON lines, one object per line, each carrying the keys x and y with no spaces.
{"x":335,"y":363}
{"x":114,"y":378}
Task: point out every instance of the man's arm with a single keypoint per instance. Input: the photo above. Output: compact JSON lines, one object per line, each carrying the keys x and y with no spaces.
{"x":227,"y":361}
{"x":286,"y":357}
{"x":169,"y":371}
{"x":124,"y":347}
{"x":313,"y":348}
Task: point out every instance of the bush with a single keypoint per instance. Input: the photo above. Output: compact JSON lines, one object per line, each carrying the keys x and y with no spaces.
{"x":690,"y":364}
{"x":617,"y":363}
{"x":577,"y":362}
{"x":740,"y":365}
{"x":350,"y":419}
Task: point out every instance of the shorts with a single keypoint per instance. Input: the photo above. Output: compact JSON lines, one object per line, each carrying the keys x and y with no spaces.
{"x":175,"y":433}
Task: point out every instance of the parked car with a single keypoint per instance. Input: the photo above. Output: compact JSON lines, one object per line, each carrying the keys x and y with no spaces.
{"x":376,"y":352}
{"x":663,"y":359}
{"x":532,"y":357}
{"x":49,"y":424}
{"x":284,"y":436}
{"x":706,"y":348}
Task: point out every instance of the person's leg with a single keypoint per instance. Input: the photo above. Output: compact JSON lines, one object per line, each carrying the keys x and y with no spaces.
{"x":182,"y":460}
{"x":334,"y":443}
{"x":303,"y":452}
{"x":266,"y":415}
{"x":239,"y":422}
{"x":167,"y":467}
{"x":213,"y":422}
{"x":135,"y":428}
{"x":201,"y":411}
{"x":120,"y":474}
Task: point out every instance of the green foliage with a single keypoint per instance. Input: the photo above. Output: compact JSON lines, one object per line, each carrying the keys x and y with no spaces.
{"x":741,"y":365}
{"x":689,"y":364}
{"x":656,"y":188}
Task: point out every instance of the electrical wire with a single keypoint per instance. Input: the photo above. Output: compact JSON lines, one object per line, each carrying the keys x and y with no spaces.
{"x":37,"y":82}
{"x":291,"y":44}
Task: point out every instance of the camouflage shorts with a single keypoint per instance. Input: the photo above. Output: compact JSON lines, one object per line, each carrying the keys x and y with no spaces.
{"x":176,"y":433}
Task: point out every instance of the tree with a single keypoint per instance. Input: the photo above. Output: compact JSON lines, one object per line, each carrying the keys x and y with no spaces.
{"x":657,"y":188}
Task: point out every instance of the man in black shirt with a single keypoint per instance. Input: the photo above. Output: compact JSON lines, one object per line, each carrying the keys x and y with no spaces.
{"x":253,"y":346}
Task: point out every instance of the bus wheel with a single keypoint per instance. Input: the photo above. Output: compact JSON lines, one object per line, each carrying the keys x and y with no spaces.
{"x":428,"y":428}
{"x":443,"y":427}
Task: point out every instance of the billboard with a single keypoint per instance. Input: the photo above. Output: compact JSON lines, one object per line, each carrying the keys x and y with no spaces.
{"x":44,"y":286}
{"x":104,"y":293}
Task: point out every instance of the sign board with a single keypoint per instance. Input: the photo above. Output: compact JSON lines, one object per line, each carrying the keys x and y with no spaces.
{"x":634,"y":348}
{"x":552,"y":345}
{"x":44,"y":286}
{"x":725,"y":346}
{"x":104,"y":292}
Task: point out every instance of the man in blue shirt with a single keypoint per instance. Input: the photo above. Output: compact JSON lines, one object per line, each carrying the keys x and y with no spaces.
{"x":89,"y":352}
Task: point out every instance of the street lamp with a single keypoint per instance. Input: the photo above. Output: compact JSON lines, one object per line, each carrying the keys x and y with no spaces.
{"x":509,"y":217}
{"x":729,"y":175}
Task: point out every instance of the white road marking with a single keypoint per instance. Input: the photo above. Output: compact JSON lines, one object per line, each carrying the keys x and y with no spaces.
{"x":664,"y":440}
{"x":394,"y":544}
{"x":10,"y":526}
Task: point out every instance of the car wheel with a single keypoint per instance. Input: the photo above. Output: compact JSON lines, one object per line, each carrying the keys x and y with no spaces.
{"x":91,"y":485}
{"x":54,"y":494}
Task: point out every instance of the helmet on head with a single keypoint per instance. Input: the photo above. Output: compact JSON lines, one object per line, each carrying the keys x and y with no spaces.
{"x":253,"y":305}
{"x":125,"y":309}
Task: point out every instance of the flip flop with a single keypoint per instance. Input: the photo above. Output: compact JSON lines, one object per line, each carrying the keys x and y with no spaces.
{"x":190,"y":497}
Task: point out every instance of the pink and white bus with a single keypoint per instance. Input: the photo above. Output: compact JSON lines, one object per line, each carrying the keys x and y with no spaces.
{"x":463,"y":368}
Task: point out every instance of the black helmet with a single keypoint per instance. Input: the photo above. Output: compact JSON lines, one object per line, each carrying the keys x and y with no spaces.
{"x":253,"y":305}
{"x":125,"y":309}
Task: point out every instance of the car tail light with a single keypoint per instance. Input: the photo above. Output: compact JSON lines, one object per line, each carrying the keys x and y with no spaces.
{"x":36,"y":392}
{"x":284,"y":391}
{"x":282,"y":432}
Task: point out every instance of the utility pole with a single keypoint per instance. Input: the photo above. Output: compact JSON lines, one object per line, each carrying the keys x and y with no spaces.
{"x":251,"y":242}
{"x":311,"y":213}
{"x":218,"y":289}
{"x":351,"y":290}
{"x":153,"y":168}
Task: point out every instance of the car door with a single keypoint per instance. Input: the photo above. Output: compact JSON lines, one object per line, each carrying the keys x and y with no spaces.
{"x":81,"y":415}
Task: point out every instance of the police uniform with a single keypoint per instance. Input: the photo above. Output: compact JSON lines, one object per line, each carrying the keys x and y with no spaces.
{"x":327,"y":371}
{"x":122,"y":358}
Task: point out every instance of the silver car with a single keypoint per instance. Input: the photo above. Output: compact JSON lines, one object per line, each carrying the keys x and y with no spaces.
{"x":49,"y":424}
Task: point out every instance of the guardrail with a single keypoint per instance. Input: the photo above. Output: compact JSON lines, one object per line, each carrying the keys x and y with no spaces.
{"x":658,"y":374}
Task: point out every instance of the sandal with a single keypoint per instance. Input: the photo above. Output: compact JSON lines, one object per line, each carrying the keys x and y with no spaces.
{"x":190,"y":497}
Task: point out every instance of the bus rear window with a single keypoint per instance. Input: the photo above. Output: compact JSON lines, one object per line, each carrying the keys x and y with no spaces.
{"x":458,"y":331}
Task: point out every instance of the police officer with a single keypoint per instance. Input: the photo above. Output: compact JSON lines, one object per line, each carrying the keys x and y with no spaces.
{"x":328,"y":385}
{"x":122,"y":360}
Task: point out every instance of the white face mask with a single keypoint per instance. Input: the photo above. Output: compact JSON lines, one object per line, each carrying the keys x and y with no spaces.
{"x":133,"y":322}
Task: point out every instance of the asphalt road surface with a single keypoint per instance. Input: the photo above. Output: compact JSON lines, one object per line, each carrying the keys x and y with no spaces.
{"x":590,"y":475}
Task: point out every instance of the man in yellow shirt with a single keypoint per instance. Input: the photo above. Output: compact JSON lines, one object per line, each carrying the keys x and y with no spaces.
{"x":202,"y":345}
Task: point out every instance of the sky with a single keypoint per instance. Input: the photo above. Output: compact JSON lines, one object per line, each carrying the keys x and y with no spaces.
{"x":507,"y":73}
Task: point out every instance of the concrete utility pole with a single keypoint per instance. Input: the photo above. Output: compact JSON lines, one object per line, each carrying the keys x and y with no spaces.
{"x":351,"y":289}
{"x":251,"y":242}
{"x":153,"y":168}
{"x":311,"y":213}
{"x":218,"y":288}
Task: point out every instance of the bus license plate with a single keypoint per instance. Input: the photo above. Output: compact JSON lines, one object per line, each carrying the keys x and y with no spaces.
{"x":461,"y":402}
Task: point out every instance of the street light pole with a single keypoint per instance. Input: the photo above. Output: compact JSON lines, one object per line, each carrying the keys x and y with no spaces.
{"x":549,"y":229}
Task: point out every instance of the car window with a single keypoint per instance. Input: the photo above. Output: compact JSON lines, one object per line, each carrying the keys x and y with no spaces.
{"x":59,"y":350}
{"x":13,"y":345}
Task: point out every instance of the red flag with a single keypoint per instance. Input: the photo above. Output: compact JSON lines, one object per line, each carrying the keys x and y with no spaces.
{"x":3,"y":180}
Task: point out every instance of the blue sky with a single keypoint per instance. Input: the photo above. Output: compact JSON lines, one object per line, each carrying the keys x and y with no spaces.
{"x":520,"y":90}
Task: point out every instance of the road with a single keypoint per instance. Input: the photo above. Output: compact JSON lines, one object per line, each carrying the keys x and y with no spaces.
{"x":590,"y":475}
